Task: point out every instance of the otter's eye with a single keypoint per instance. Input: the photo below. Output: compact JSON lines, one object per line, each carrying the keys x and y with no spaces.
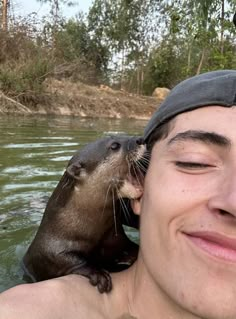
{"x":115,"y":146}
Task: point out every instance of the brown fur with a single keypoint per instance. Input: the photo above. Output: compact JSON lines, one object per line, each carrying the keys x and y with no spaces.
{"x":79,"y":232}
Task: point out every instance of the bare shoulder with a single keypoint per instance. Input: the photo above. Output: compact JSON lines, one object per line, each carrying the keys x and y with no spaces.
{"x":66,"y":297}
{"x":86,"y":298}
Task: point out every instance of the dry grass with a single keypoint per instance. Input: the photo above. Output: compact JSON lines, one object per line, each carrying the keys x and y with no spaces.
{"x":92,"y":101}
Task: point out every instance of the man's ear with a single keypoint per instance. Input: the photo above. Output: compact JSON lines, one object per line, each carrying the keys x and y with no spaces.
{"x":74,"y":170}
{"x":136,"y":205}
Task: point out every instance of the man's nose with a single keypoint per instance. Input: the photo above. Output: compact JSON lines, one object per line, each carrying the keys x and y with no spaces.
{"x":224,"y":199}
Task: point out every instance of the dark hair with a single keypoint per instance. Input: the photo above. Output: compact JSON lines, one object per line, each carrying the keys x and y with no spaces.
{"x":159,"y":133}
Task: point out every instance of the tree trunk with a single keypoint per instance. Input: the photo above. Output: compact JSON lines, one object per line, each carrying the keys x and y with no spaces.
{"x":142,"y":80}
{"x":122,"y":69}
{"x":55,"y":12}
{"x":222,"y":27}
{"x":142,"y":73}
{"x":138,"y":79}
{"x":201,"y":61}
{"x":189,"y":57}
{"x":4,"y":15}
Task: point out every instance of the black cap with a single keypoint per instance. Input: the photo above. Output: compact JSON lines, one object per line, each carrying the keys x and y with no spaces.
{"x":211,"y":88}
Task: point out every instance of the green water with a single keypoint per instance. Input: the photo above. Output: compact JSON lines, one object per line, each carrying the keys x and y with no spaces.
{"x":33,"y":154}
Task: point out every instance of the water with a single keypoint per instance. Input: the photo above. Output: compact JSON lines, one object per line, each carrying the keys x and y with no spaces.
{"x":33,"y":154}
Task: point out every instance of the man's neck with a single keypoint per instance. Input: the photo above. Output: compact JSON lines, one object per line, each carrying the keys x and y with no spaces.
{"x":147,"y":300}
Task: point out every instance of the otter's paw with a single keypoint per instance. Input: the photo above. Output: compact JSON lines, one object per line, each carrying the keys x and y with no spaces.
{"x":101,"y":279}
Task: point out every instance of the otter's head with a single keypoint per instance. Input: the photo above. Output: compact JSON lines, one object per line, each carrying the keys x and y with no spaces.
{"x":108,"y":163}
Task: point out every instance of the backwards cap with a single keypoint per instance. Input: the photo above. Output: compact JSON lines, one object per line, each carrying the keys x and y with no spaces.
{"x":212,"y":88}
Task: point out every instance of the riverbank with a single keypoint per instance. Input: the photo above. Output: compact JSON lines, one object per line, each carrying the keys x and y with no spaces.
{"x":77,"y":99}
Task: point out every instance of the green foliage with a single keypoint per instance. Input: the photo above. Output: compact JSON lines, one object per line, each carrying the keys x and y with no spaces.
{"x":72,"y":40}
{"x":198,"y":36}
{"x":25,"y":78}
{"x":75,"y":43}
{"x":23,"y":64}
{"x":123,"y":26}
{"x":136,"y":45}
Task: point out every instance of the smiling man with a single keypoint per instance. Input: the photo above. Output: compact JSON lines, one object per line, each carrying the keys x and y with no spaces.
{"x":186,"y":268}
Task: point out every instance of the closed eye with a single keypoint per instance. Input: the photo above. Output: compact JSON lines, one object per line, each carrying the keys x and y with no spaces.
{"x":191,"y":165}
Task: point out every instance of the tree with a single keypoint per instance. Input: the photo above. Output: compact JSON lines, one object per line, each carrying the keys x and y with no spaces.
{"x":192,"y":41}
{"x":55,"y":14}
{"x":123,"y":25}
{"x":4,"y":8}
{"x":76,"y":45}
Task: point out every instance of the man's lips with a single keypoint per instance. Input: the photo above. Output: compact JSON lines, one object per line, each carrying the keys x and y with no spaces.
{"x":215,"y":244}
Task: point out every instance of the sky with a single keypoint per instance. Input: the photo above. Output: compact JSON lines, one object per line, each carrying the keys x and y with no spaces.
{"x":25,"y":7}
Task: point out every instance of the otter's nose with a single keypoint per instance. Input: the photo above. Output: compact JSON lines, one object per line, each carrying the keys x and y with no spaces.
{"x":139,"y":141}
{"x":133,"y":142}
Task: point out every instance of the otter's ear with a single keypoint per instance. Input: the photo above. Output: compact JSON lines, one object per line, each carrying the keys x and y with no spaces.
{"x":74,"y":170}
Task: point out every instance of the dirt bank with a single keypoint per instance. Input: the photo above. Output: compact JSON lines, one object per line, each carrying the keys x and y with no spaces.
{"x":77,"y":99}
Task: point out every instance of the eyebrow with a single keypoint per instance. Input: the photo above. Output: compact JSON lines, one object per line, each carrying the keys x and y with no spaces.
{"x":201,"y":136}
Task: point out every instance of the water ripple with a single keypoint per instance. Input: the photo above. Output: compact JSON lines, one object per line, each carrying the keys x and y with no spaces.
{"x":31,"y":155}
{"x":61,"y":159}
{"x":38,"y":145}
{"x":35,"y":185}
{"x":30,"y":171}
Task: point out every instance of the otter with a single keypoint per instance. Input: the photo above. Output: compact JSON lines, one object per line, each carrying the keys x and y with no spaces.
{"x":81,"y":231}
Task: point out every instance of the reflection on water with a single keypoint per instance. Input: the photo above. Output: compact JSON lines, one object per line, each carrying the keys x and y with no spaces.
{"x":33,"y":154}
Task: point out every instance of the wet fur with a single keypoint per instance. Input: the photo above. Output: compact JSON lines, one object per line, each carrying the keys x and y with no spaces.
{"x":81,"y":230}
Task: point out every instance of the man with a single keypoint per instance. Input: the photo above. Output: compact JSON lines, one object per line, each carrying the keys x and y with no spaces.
{"x":186,"y":268}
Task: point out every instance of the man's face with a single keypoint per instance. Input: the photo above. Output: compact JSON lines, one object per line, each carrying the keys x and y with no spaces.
{"x":188,"y":213}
